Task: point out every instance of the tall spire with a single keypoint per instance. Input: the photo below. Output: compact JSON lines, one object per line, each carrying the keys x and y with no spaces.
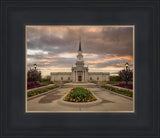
{"x":80,"y":43}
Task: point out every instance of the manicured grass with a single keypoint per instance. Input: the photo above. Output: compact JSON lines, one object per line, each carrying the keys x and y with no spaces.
{"x":79,"y":94}
{"x":47,"y":82}
{"x":112,"y":82}
{"x":120,"y":91}
{"x":36,"y":92}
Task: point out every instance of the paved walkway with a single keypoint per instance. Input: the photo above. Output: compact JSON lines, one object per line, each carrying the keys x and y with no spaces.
{"x":110,"y":102}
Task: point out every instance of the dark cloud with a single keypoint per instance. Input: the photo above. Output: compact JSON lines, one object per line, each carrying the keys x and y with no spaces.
{"x":104,"y":40}
{"x":100,"y":40}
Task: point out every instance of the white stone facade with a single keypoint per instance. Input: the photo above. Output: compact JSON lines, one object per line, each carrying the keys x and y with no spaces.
{"x":80,"y":72}
{"x":98,"y":76}
{"x":61,"y":76}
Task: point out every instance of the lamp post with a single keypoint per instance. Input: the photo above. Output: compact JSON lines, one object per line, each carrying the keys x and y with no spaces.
{"x":126,"y":73}
{"x":126,"y":65}
{"x":35,"y":66}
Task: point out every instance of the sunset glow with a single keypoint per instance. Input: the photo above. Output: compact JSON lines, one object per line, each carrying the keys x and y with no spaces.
{"x":54,"y":48}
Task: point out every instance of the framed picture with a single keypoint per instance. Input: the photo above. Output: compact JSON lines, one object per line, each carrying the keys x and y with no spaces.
{"x":101,"y":80}
{"x":80,"y":69}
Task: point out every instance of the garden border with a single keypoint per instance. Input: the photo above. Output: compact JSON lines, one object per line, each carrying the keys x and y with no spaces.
{"x":127,"y":97}
{"x":130,"y":90}
{"x":50,"y":85}
{"x":38,"y":95}
{"x":98,"y":101}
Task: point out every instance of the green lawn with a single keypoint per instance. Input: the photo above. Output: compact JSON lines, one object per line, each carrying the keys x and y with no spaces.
{"x":47,"y":82}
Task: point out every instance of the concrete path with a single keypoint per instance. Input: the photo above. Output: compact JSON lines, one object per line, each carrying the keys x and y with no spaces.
{"x":110,"y":102}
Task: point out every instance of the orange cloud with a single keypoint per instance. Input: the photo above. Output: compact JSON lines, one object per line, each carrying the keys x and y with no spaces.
{"x":90,"y":54}
{"x":108,"y":57}
{"x":49,"y":57}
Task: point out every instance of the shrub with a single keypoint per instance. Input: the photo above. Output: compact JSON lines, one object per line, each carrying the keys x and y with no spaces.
{"x":32,"y":84}
{"x":37,"y":83}
{"x":29,"y":84}
{"x":123,"y":84}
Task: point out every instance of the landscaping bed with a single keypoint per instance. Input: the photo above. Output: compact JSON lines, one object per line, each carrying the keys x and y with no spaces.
{"x":120,"y":91}
{"x":39,"y":91}
{"x":121,"y":84}
{"x":79,"y":94}
{"x":36,"y":84}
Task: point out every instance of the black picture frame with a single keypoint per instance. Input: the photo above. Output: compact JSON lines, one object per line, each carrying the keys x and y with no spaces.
{"x":144,"y":123}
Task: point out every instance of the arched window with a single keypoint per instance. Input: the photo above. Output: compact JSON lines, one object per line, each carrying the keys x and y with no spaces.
{"x":97,"y":78}
{"x":61,"y":78}
{"x":90,"y":78}
{"x":68,"y":78}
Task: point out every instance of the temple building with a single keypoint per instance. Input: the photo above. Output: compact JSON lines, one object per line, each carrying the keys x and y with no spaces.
{"x":80,"y":72}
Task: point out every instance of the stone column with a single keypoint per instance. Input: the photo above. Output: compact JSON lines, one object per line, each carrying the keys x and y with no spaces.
{"x":76,"y":76}
{"x":86,"y":76}
{"x":82,"y":76}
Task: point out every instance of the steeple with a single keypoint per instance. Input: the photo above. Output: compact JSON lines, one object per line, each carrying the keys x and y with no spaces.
{"x":80,"y":61}
{"x":80,"y":43}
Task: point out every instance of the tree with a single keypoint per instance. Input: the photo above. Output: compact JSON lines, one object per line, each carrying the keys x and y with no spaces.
{"x":33,"y":75}
{"x":126,"y":75}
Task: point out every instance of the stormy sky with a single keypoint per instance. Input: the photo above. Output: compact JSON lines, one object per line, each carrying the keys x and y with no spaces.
{"x":54,"y":48}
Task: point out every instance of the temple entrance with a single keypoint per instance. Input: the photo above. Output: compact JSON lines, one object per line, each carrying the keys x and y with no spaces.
{"x":79,"y":78}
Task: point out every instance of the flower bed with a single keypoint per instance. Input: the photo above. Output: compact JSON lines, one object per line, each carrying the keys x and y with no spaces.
{"x":120,"y":91}
{"x":79,"y":94}
{"x":123,"y":84}
{"x":39,"y":91}
{"x":31,"y":85}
